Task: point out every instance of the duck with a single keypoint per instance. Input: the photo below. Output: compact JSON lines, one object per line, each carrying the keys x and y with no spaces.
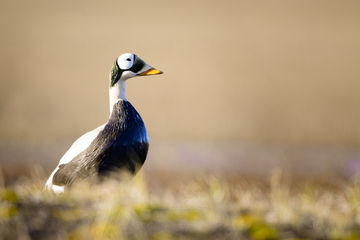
{"x":120,"y":144}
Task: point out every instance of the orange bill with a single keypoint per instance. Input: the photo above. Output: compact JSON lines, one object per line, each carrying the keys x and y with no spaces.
{"x":151,"y":71}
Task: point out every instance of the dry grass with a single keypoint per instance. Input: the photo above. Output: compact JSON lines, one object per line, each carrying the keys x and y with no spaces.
{"x":207,"y":208}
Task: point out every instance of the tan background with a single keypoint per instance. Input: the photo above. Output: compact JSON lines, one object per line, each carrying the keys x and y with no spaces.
{"x":239,"y":74}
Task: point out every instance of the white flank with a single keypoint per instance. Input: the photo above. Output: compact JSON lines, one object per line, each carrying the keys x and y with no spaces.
{"x":58,"y":189}
{"x":78,"y":146}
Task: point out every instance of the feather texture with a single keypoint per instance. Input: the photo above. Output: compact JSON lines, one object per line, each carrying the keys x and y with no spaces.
{"x":122,"y":144}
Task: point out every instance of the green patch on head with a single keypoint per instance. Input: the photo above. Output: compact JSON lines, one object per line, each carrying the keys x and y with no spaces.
{"x":115,"y":74}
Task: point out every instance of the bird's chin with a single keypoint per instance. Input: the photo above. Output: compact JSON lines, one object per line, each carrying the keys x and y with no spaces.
{"x":127,"y":74}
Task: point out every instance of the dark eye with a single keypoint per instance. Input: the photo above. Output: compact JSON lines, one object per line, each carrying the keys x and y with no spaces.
{"x":128,"y":59}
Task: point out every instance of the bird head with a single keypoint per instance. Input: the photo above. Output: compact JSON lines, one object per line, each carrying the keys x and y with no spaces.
{"x":129,"y":65}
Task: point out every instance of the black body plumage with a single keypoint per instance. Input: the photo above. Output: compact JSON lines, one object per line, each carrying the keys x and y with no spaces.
{"x":122,"y":144}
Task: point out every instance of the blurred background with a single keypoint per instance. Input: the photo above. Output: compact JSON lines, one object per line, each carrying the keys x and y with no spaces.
{"x":249,"y":86}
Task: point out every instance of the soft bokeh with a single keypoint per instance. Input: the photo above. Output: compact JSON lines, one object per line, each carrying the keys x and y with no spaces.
{"x":248,"y":85}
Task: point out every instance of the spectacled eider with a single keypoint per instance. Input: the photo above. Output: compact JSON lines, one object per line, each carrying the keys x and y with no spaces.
{"x":121,"y":143}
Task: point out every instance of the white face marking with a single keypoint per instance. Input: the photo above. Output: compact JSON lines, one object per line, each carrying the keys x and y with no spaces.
{"x":126,"y":61}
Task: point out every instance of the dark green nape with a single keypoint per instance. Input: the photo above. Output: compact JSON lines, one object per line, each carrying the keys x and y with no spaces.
{"x":115,"y":74}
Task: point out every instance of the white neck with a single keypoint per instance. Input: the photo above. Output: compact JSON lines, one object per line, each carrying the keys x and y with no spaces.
{"x":117,"y":92}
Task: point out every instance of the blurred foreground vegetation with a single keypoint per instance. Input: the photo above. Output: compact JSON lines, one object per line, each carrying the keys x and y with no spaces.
{"x":206,"y":208}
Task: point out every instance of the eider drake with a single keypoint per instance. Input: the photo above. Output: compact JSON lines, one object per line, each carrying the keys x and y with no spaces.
{"x":121,"y":143}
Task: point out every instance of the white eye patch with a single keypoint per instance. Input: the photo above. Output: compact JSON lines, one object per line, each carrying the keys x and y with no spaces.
{"x":126,"y":61}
